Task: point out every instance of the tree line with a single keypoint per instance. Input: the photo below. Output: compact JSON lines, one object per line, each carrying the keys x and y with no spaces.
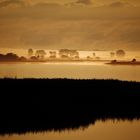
{"x":65,"y":54}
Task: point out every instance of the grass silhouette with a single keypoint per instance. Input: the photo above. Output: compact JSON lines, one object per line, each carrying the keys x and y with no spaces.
{"x":34,"y":105}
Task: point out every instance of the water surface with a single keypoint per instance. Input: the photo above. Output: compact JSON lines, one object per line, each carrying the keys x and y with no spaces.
{"x":109,"y":130}
{"x":83,"y":70}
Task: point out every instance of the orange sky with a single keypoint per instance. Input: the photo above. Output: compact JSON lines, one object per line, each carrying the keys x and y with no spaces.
{"x":73,"y":24}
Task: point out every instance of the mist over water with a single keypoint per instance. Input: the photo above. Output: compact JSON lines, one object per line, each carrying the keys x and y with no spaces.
{"x":83,"y":54}
{"x":110,"y":129}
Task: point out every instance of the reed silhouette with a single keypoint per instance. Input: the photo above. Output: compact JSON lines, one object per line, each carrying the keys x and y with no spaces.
{"x":34,"y":105}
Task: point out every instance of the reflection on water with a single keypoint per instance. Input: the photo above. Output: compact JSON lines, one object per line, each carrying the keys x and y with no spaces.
{"x":69,"y":70}
{"x":109,"y":130}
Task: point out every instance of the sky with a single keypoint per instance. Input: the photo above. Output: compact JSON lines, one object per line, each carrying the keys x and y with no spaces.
{"x":71,"y":24}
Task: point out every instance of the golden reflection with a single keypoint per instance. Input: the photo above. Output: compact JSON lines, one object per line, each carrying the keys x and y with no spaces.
{"x":109,"y":130}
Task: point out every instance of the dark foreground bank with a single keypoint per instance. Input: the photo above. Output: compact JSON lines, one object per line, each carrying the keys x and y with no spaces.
{"x":33,"y":105}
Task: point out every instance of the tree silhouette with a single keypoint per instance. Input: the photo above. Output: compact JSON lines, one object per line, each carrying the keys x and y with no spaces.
{"x":9,"y":57}
{"x":2,"y":57}
{"x":134,"y":60}
{"x":22,"y":58}
{"x":77,"y":57}
{"x":40,"y":54}
{"x":97,"y":58}
{"x":89,"y":58}
{"x":114,"y":61}
{"x":112,"y":54}
{"x":34,"y":58}
{"x":30,"y":52}
{"x":52,"y":54}
{"x":73,"y":53}
{"x":120,"y":53}
{"x":94,"y":54}
{"x":66,"y":53}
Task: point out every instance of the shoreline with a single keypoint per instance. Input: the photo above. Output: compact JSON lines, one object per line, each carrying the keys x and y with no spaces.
{"x":124,"y":63}
{"x":56,"y":61}
{"x":108,"y":62}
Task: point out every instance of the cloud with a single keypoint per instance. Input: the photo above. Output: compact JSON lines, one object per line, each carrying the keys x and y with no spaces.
{"x":131,"y":35}
{"x":5,"y":3}
{"x":83,"y":35}
{"x":79,"y":3}
{"x":44,"y":4}
{"x":44,"y":25}
{"x":47,"y":5}
{"x":86,"y":2}
{"x":53,"y":11}
{"x":119,"y":4}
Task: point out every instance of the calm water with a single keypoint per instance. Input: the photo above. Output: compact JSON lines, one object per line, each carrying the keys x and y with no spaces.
{"x":81,"y":70}
{"x":109,"y":130}
{"x":100,"y":131}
